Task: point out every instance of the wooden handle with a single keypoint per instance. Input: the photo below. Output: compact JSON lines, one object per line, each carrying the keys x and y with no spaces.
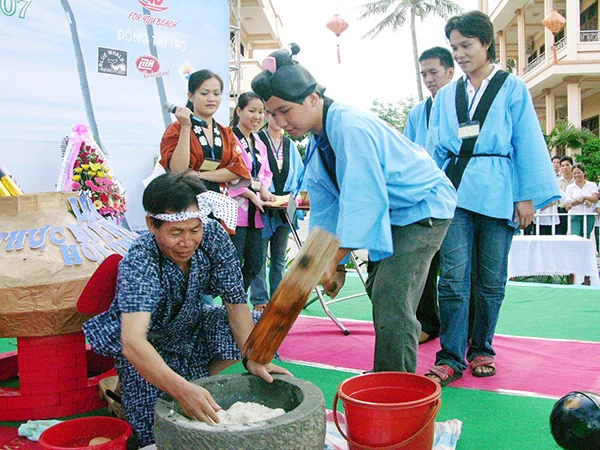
{"x":290,"y":297}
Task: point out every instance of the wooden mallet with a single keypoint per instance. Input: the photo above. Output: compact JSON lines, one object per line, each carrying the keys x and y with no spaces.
{"x":290,"y":297}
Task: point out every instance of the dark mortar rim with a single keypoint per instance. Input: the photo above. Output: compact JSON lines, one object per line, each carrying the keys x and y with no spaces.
{"x":313,"y":398}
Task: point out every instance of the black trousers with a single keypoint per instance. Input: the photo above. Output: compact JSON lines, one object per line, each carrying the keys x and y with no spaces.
{"x":428,"y":311}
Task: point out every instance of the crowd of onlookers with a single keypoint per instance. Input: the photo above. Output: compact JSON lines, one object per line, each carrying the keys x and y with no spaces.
{"x":578,"y":211}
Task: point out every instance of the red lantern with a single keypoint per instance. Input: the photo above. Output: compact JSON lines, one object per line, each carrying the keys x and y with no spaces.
{"x":338,"y":26}
{"x":554,"y":21}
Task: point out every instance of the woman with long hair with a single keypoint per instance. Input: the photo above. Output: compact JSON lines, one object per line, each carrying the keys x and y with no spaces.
{"x":287,"y":167}
{"x":210,"y":150}
{"x":248,"y":118}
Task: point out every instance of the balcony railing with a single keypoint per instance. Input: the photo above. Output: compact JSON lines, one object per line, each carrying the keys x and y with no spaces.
{"x":536,"y":62}
{"x":589,"y":36}
{"x":561,"y":44}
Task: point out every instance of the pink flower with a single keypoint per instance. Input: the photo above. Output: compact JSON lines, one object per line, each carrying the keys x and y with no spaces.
{"x":90,"y":184}
{"x":76,"y":185}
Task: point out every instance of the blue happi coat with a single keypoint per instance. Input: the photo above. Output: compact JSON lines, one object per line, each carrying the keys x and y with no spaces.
{"x":416,"y":124}
{"x":522,"y":171}
{"x":384,"y":179}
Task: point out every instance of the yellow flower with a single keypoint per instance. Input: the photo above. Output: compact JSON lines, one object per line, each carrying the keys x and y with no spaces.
{"x":109,"y":177}
{"x":76,"y":177}
{"x":100,"y":174}
{"x":98,"y":204}
{"x":85,"y":166}
{"x":95,"y":167}
{"x":92,"y":174}
{"x":78,"y":170}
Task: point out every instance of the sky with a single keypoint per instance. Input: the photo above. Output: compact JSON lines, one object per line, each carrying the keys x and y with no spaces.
{"x":380,"y":68}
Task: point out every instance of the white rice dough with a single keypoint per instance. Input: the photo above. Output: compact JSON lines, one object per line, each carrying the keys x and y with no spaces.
{"x":245,"y":412}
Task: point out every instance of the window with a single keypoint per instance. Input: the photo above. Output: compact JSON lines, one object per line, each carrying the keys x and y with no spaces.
{"x":591,"y":123}
{"x":532,"y":57}
{"x":589,"y":18}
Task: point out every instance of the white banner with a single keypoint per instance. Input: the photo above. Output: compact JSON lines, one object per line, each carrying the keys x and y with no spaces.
{"x":110,"y":64}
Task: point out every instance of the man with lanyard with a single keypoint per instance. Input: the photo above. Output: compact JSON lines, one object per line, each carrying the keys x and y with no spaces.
{"x":374,"y":189}
{"x":437,"y":70}
{"x":485,"y":134}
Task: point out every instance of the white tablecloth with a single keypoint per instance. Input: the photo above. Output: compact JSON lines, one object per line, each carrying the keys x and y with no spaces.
{"x":553,"y":255}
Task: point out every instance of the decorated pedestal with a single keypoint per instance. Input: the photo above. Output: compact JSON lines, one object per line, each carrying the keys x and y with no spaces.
{"x":50,"y":244}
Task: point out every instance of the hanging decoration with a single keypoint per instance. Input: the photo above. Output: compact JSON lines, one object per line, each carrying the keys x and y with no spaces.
{"x":554,"y":21}
{"x":338,"y":26}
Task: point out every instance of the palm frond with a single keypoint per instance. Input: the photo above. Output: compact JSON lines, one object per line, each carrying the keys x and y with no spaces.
{"x":566,"y":134}
{"x":376,"y":7}
{"x":438,"y":8}
{"x":394,"y":21}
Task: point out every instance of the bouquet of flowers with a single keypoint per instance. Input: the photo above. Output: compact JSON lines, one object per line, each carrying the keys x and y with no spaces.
{"x":86,"y":169}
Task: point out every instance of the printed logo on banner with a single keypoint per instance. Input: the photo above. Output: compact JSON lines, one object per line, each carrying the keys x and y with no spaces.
{"x":149,"y":67}
{"x":112,"y":61}
{"x":153,"y":5}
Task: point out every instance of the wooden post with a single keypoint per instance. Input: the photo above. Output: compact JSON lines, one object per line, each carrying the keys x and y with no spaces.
{"x":290,"y":297}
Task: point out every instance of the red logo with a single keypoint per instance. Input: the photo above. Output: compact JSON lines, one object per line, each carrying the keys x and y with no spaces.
{"x":153,"y":5}
{"x":147,"y":64}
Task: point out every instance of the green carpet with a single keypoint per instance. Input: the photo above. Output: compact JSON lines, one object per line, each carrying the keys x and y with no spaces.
{"x":8,"y":345}
{"x":491,"y":421}
{"x":530,"y":310}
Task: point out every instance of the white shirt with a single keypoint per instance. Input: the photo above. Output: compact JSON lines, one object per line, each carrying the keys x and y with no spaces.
{"x":474,"y":95}
{"x":574,"y":192}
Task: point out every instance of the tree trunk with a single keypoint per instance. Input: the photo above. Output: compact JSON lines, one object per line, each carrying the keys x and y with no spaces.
{"x":413,"y":33}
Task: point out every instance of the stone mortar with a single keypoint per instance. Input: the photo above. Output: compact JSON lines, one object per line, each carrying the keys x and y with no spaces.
{"x":302,"y":427}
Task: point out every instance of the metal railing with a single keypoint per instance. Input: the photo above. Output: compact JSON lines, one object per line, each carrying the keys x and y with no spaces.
{"x":589,"y":36}
{"x":536,"y":224}
{"x":536,"y":62}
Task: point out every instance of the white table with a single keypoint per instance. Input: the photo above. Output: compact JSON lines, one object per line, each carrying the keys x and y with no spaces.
{"x":553,"y":255}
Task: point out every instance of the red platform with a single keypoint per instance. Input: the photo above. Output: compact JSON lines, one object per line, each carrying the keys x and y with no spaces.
{"x":58,"y":377}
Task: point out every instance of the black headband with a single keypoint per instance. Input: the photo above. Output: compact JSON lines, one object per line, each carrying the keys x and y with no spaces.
{"x":283,"y":77}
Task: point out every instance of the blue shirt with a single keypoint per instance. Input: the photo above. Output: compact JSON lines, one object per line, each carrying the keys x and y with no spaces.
{"x":522,"y":171}
{"x":384,"y":179}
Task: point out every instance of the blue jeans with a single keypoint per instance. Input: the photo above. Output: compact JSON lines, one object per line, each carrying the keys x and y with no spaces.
{"x":492,"y":238}
{"x":278,"y":243}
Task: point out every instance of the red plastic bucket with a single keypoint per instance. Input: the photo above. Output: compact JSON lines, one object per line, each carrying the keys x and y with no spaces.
{"x":76,"y":434}
{"x":389,"y":410}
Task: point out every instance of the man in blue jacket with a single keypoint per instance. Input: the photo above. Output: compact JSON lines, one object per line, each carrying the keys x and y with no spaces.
{"x":374,"y":189}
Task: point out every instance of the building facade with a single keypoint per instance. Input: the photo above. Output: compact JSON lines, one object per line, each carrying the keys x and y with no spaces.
{"x":562,"y":70}
{"x":254,"y":26}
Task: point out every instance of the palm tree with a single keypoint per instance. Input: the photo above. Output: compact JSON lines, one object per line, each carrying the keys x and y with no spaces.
{"x":566,"y":135}
{"x":397,"y":18}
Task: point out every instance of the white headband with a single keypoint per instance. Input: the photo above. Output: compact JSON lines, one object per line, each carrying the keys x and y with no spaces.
{"x":221,"y":206}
